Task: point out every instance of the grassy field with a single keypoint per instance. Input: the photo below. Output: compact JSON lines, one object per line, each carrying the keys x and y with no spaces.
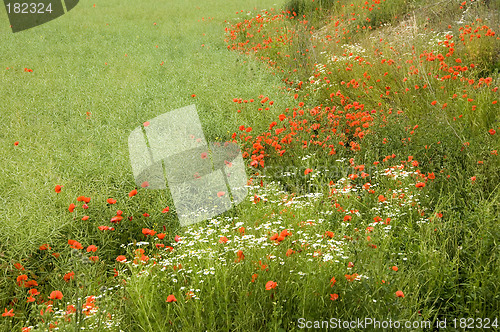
{"x":371,"y":135}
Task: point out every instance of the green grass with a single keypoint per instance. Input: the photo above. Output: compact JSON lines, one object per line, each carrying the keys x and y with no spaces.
{"x":126,"y":63}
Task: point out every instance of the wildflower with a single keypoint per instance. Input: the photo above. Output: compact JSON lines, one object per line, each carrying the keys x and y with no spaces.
{"x":289,"y":252}
{"x":19,"y":266}
{"x":161,"y":236}
{"x":9,"y":313}
{"x":400,"y":294}
{"x":332,"y":281}
{"x":94,"y":259}
{"x":307,"y":171}
{"x":16,"y":143}
{"x":75,"y":244}
{"x":69,"y":276}
{"x":492,"y":131}
{"x":431,"y":176}
{"x":254,"y":277}
{"x":177,"y":238}
{"x":71,"y":207}
{"x":333,"y":297}
{"x":420,"y":185}
{"x":91,"y":248}
{"x":220,"y":194}
{"x":57,"y":189}
{"x":111,"y":201}
{"x":56,"y":295}
{"x":171,"y":298}
{"x":132,"y":193}
{"x":223,"y":239}
{"x":473,"y":178}
{"x":121,"y":259}
{"x":271,"y":285}
{"x":241,"y":256}
{"x":165,"y":210}
{"x":395,"y":268}
{"x":21,"y":279}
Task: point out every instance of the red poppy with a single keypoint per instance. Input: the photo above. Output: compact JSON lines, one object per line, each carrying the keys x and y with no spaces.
{"x":161,"y":236}
{"x":56,"y":295}
{"x":71,"y":207}
{"x":121,"y":258}
{"x":492,"y":131}
{"x":223,"y":239}
{"x":400,"y":294}
{"x":420,"y":185}
{"x":68,"y":276}
{"x":271,"y":285}
{"x":132,"y":193}
{"x":171,"y":298}
{"x":94,"y":259}
{"x":16,"y":143}
{"x":111,"y":201}
{"x":165,"y":210}
{"x":57,"y":189}
{"x":9,"y":313}
{"x":91,"y":248}
{"x":220,"y":194}
{"x":332,"y":281}
{"x":333,"y":297}
{"x":19,"y":266}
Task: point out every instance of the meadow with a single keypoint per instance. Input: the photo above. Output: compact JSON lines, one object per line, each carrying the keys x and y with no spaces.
{"x":370,"y":132}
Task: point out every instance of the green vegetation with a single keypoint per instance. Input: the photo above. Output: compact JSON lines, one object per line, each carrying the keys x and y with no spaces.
{"x":371,"y":134}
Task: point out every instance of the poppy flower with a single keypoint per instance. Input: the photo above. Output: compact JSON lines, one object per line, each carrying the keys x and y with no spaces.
{"x":132,"y":193}
{"x":68,"y":276}
{"x":145,"y":124}
{"x":71,"y":207}
{"x":161,"y":236}
{"x":333,"y":297}
{"x":56,"y":295}
{"x":492,"y":131}
{"x":91,"y":248}
{"x":332,"y":281}
{"x":271,"y":285}
{"x":177,"y":238}
{"x":121,"y":259}
{"x":9,"y":313}
{"x":111,"y":201}
{"x":145,"y":184}
{"x":307,"y":171}
{"x":420,"y":185}
{"x":400,"y":294}
{"x":16,"y":143}
{"x":223,"y":239}
{"x":395,"y":268}
{"x":171,"y":298}
{"x":165,"y":210}
{"x":254,"y":277}
{"x":204,"y":155}
{"x":94,"y":259}
{"x":85,"y":218}
{"x":220,"y":194}
{"x":116,"y":219}
{"x":19,"y":266}
{"x":58,"y":188}
{"x":21,"y":279}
